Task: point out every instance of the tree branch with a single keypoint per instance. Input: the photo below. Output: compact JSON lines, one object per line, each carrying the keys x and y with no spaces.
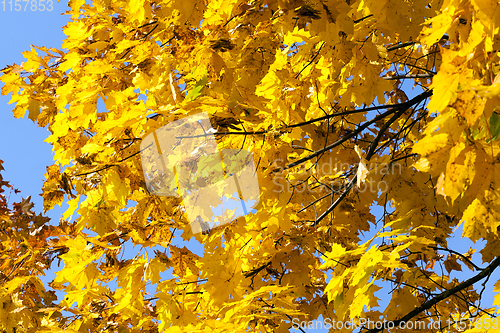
{"x":344,"y":113}
{"x":363,"y":18}
{"x":337,"y":202}
{"x":409,"y":76}
{"x":399,"y":111}
{"x":458,"y":254}
{"x":312,"y":60}
{"x":221,"y":133}
{"x":338,"y":114}
{"x":107,"y":166}
{"x":399,"y":46}
{"x":401,"y":107}
{"x":444,"y":295}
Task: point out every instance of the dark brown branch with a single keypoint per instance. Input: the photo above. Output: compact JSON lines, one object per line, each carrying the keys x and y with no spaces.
{"x":421,"y":68}
{"x":399,"y":109}
{"x":288,"y":316}
{"x":107,"y":166}
{"x":145,"y":25}
{"x":221,"y":133}
{"x":394,"y":108}
{"x":337,"y":202}
{"x":344,"y":113}
{"x":403,"y":157}
{"x":409,"y":76}
{"x":312,"y":203}
{"x":444,"y":295}
{"x":337,"y":261}
{"x":197,"y":281}
{"x":399,"y":46}
{"x":150,"y":32}
{"x":422,"y":290}
{"x":312,"y":60}
{"x":368,"y":156}
{"x":168,"y":41}
{"x":382,"y":130}
{"x":337,"y":114}
{"x":363,"y":18}
{"x":458,"y":254}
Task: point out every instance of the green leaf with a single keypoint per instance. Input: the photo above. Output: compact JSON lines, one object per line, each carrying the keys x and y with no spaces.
{"x":198,"y":87}
{"x":494,"y":127}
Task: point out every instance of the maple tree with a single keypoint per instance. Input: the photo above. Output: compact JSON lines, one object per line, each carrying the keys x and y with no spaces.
{"x":314,"y":90}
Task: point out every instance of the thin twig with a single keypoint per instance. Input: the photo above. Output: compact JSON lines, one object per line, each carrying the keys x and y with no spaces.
{"x":401,"y":107}
{"x":458,"y":254}
{"x":444,"y":295}
{"x":399,"y":46}
{"x":408,"y":76}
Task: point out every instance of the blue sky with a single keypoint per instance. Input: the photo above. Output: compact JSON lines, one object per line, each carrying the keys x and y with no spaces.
{"x":22,"y":148}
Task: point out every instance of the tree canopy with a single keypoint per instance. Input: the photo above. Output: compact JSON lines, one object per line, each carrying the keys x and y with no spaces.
{"x":320,"y":92}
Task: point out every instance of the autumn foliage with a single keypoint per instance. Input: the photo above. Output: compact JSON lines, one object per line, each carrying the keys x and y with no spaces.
{"x":320,"y":92}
